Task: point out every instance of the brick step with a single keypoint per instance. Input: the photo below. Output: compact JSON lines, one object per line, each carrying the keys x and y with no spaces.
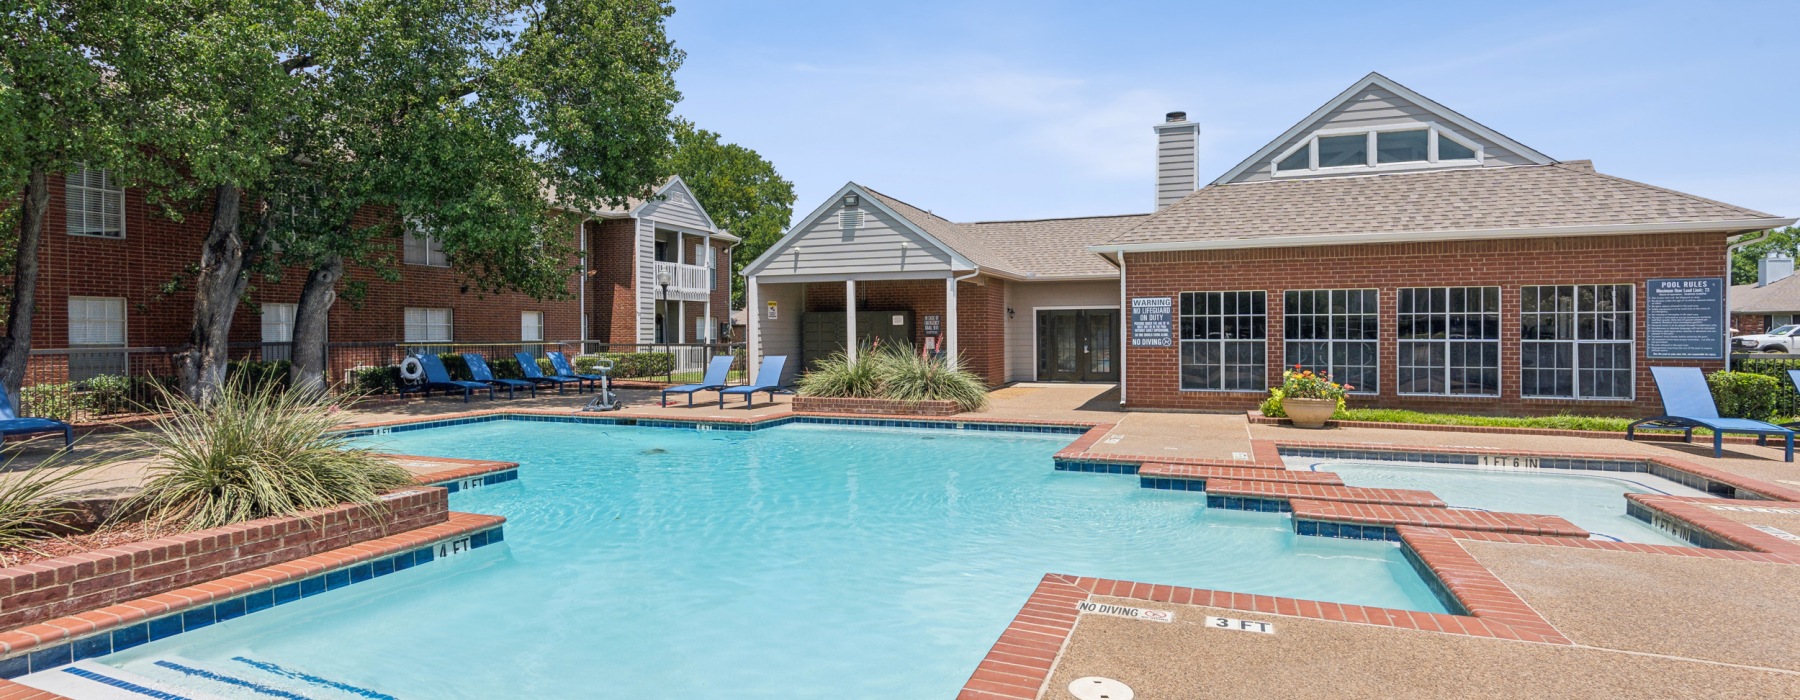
{"x":1355,"y":520}
{"x":1289,"y":490}
{"x":1189,"y":477}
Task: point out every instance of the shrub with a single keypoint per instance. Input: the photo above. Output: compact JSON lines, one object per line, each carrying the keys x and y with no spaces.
{"x":253,"y":373}
{"x":34,"y":500}
{"x":1787,"y":400}
{"x":459,"y":370}
{"x":255,"y":452}
{"x":375,"y":380}
{"x":53,"y":401}
{"x":628,"y":364}
{"x":1745,"y":394}
{"x":108,"y":394}
{"x":1304,"y":384}
{"x":911,"y":376}
{"x":838,"y":376}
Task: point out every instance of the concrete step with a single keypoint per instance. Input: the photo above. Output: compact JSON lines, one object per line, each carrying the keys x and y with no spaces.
{"x":1288,"y":490}
{"x":1187,"y":477}
{"x":1326,"y":518}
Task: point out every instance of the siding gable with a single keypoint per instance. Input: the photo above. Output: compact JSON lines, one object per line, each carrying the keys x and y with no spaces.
{"x":881,"y":242}
{"x":677,"y":207}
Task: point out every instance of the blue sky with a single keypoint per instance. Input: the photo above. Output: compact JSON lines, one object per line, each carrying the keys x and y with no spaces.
{"x":1012,"y":110}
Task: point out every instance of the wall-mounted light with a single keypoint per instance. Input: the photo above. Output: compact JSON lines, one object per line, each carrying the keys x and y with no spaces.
{"x":852,"y":200}
{"x":1009,"y":313}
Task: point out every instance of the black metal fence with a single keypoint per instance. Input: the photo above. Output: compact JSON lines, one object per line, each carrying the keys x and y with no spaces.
{"x":1787,"y":400}
{"x":88,"y":383}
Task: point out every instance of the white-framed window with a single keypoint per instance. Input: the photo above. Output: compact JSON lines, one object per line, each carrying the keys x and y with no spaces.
{"x":96,"y":322}
{"x":531,"y":325}
{"x":1449,"y":341}
{"x":1389,"y":147}
{"x":428,"y":325}
{"x":424,"y":249}
{"x":1224,"y":344}
{"x":95,"y":204}
{"x":703,"y":328}
{"x":1577,"y":341}
{"x":1334,"y":331}
{"x":278,"y":323}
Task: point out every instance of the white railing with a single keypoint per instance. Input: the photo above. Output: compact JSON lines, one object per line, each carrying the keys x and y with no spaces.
{"x":686,"y":279}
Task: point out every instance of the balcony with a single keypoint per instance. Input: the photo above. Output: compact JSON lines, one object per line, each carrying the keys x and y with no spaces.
{"x":686,"y":282}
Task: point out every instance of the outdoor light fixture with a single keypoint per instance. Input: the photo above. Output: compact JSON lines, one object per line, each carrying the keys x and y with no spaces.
{"x":851,"y":200}
{"x":662,"y":277}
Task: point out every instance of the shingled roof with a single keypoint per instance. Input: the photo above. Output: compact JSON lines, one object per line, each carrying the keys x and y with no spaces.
{"x":1568,"y":194}
{"x":1779,"y":297}
{"x":1041,"y":248}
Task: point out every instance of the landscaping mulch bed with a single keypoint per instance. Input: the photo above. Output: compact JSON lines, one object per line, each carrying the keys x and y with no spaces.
{"x":113,"y":536}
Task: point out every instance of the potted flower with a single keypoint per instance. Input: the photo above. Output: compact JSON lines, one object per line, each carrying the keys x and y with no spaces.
{"x":1309,"y":399}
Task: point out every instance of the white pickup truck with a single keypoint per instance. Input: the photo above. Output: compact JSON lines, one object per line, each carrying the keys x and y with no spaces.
{"x":1782,"y":339}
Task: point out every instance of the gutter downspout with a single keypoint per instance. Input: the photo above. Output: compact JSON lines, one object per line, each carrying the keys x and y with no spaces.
{"x":1731,"y":252}
{"x":581,"y":291}
{"x":1125,"y":335}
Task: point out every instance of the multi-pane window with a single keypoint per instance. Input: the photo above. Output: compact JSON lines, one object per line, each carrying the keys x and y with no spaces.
{"x":1449,"y":341}
{"x":278,"y":323}
{"x":428,"y":325}
{"x":1576,"y":341}
{"x":424,"y":249}
{"x":1223,"y":341}
{"x":96,"y":322}
{"x":1335,"y":331}
{"x":95,"y":204}
{"x":531,"y":325}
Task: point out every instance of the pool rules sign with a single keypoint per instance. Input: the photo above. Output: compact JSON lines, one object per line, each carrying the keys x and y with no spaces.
{"x":1153,"y":322}
{"x":1684,"y":319}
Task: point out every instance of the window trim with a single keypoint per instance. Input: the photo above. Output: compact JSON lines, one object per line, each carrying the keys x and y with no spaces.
{"x":263,"y":327}
{"x":122,"y":193}
{"x":540,"y":325}
{"x":1576,"y":345}
{"x":414,"y":231}
{"x":449,"y":323}
{"x":124,"y":321}
{"x":1371,"y":157}
{"x":1499,"y":346}
{"x":1179,"y":341}
{"x":1379,"y":377}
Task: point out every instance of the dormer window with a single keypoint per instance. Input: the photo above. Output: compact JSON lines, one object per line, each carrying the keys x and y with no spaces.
{"x":1381,"y":148}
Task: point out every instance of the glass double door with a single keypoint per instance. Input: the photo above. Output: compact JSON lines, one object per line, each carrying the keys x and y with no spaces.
{"x":1078,"y":345}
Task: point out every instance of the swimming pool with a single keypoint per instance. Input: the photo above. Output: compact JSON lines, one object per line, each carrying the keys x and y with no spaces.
{"x":1595,"y":501}
{"x":793,"y":562}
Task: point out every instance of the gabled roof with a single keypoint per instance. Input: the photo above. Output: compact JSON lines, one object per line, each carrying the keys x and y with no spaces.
{"x":1779,"y":297}
{"x":1377,"y":80}
{"x":1518,"y":201}
{"x":1031,"y":249}
{"x":672,"y":189}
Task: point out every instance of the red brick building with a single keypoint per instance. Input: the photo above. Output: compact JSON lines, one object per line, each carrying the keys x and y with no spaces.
{"x":113,"y":274}
{"x":1428,"y":260}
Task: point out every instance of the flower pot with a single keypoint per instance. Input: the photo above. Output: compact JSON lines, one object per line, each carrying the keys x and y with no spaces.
{"x":1309,"y":413}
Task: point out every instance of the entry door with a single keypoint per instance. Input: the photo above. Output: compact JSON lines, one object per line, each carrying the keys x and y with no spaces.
{"x":1078,"y":345}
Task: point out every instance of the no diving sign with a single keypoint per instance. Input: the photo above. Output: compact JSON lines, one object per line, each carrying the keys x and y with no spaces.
{"x":1126,"y":611}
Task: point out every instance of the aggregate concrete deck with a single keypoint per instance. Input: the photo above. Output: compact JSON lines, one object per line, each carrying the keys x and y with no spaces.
{"x":1321,"y":659}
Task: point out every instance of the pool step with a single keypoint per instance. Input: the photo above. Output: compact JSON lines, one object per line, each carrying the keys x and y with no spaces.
{"x":1188,"y":477}
{"x":1228,"y":491}
{"x":175,"y":677}
{"x":92,"y":680}
{"x":1377,"y":522}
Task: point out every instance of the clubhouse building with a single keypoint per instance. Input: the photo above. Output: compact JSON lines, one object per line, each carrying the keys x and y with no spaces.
{"x":1428,"y":260}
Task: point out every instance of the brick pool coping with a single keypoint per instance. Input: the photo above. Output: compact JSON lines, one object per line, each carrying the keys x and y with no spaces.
{"x":1258,"y":418}
{"x":55,"y":631}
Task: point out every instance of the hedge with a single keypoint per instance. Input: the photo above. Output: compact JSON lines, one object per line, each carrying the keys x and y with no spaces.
{"x":628,"y":365}
{"x":1748,"y":394}
{"x":1786,"y":399}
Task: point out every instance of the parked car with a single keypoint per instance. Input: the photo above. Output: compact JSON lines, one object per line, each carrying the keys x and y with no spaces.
{"x":1782,"y":339}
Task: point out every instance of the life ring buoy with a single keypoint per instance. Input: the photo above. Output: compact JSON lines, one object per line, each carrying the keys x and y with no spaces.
{"x":411,"y":369}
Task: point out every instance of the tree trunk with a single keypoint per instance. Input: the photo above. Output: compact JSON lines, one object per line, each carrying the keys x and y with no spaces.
{"x":224,"y":258}
{"x":311,"y":323}
{"x":15,"y":347}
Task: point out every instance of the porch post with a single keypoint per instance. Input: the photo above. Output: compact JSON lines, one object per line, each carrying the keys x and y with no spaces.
{"x":850,"y":318}
{"x":950,"y":320}
{"x":752,"y":328}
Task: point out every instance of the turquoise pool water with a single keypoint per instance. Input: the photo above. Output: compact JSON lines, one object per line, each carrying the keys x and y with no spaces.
{"x":1593,"y":501}
{"x":793,"y":562}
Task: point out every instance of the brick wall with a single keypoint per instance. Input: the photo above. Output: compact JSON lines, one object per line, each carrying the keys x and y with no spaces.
{"x":68,"y":585}
{"x":1153,"y":373}
{"x":874,"y":407}
{"x":980,"y":314}
{"x":612,"y":280}
{"x":1750,"y":324}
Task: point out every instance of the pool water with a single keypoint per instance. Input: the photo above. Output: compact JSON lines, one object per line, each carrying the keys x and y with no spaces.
{"x":1593,"y":501}
{"x":793,"y":562}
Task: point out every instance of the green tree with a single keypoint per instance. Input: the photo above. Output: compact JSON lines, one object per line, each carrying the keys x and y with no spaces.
{"x":740,"y":189}
{"x":1743,"y":259}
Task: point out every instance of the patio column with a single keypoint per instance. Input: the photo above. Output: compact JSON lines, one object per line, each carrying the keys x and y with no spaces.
{"x":752,"y":328}
{"x":950,"y":320}
{"x":850,"y":319}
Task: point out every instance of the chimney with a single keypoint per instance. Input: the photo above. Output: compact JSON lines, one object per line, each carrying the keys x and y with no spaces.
{"x":1774,"y":268}
{"x":1177,"y":173}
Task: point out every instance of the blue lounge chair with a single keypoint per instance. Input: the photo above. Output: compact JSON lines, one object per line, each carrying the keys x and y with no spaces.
{"x":436,"y":377}
{"x":564,"y":369}
{"x":12,"y":424}
{"x":716,"y":373}
{"x":533,"y":373}
{"x":768,"y":378}
{"x":1689,"y":405}
{"x":1793,"y":376}
{"x":479,"y":371}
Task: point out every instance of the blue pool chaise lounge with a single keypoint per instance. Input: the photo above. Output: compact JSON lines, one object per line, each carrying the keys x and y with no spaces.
{"x":436,"y":377}
{"x":1688,"y":403}
{"x":717,"y":371}
{"x":1794,"y":377}
{"x":533,"y":373}
{"x":567,"y":371}
{"x":12,"y":424}
{"x":768,"y":378}
{"x":479,"y":371}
